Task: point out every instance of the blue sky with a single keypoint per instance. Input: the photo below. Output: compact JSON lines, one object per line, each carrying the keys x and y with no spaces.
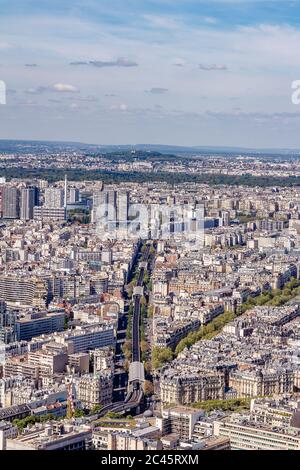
{"x":192,"y":72}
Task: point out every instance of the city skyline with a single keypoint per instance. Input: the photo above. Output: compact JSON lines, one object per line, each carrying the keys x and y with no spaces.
{"x":149,"y":228}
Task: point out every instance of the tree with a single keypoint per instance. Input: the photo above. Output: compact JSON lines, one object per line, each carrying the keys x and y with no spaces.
{"x":130,"y":287}
{"x":66,"y":322}
{"x":144,"y":346}
{"x":127,"y":349}
{"x":129,"y":323}
{"x":150,"y":311}
{"x":148,"y":388}
{"x":112,"y":415}
{"x":31,"y":420}
{"x":96,"y":409}
{"x":126,"y":365}
{"x":161,"y":356}
{"x":148,"y":367}
{"x":152,"y":250}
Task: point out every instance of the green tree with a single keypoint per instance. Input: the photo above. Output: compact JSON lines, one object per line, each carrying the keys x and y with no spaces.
{"x":112,"y":415}
{"x":96,"y":409}
{"x":78,"y":413}
{"x":161,"y":356}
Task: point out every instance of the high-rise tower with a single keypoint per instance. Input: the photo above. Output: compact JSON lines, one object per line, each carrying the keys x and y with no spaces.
{"x":66,"y":192}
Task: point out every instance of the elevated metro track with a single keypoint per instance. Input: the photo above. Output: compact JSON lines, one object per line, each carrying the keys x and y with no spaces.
{"x":135,"y":395}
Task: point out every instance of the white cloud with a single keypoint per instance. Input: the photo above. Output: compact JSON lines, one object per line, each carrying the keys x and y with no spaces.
{"x":57,"y":87}
{"x":64,"y":88}
{"x":120,"y":62}
{"x":164,"y":22}
{"x":157,"y":91}
{"x":210,"y":20}
{"x":213,"y":67}
{"x":36,"y":90}
{"x":5,"y":45}
{"x":119,"y":107}
{"x":179,"y":62}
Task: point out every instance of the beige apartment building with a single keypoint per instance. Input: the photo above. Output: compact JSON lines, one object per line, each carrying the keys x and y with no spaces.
{"x":260,"y":383}
{"x":187,"y":387}
{"x":94,"y":390}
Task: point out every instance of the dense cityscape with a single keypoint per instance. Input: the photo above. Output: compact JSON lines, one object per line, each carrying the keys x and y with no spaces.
{"x":149,"y":315}
{"x":149,"y":232}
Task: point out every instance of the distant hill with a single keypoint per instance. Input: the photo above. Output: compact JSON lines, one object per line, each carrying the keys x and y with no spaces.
{"x":35,"y":146}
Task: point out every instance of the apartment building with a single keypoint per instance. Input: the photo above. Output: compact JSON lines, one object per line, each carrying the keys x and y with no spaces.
{"x":255,"y":383}
{"x":86,"y":338}
{"x":180,"y":421}
{"x":94,"y":390}
{"x":23,"y":290}
{"x":54,"y":436}
{"x":39,"y":323}
{"x":246,"y":435}
{"x":190,"y":386}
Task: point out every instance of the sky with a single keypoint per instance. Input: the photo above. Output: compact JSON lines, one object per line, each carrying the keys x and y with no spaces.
{"x":179,"y":72}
